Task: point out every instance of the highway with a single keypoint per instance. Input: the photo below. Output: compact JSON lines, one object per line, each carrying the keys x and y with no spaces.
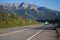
{"x":32,"y":32}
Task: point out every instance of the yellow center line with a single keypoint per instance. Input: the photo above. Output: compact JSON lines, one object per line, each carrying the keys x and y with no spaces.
{"x":4,"y":34}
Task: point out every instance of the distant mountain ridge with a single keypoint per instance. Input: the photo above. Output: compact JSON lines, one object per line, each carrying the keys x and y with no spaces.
{"x":30,"y":11}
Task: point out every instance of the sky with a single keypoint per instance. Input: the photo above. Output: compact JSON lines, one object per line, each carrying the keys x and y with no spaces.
{"x":51,"y":4}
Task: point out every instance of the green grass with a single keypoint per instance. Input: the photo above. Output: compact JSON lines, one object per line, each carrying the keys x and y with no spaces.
{"x":58,"y":33}
{"x":58,"y":30}
{"x":12,"y":20}
{"x":11,"y":25}
{"x":14,"y":23}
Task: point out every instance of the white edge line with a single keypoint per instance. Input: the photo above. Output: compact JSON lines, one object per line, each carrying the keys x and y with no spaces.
{"x":36,"y":34}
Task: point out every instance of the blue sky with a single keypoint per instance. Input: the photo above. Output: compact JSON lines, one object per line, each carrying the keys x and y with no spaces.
{"x":51,"y":4}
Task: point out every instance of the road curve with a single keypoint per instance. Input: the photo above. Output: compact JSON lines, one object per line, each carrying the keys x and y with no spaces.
{"x":35,"y":32}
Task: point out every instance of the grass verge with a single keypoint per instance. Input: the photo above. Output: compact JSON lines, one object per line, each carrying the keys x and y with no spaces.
{"x":58,"y":30}
{"x":17,"y":25}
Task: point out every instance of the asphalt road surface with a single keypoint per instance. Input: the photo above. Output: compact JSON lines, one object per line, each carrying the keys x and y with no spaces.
{"x":34,"y":32}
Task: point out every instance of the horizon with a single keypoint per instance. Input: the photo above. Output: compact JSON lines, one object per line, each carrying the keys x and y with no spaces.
{"x":51,"y":4}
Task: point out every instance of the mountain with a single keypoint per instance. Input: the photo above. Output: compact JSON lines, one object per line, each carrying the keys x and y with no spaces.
{"x":31,"y":11}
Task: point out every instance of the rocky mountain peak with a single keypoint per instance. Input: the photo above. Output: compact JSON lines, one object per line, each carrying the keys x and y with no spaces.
{"x":24,"y":4}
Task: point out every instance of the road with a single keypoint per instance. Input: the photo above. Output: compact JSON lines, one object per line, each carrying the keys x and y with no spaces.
{"x":34,"y":32}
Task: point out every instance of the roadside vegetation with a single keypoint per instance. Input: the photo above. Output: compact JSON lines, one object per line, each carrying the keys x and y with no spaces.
{"x":13,"y":20}
{"x":58,"y":30}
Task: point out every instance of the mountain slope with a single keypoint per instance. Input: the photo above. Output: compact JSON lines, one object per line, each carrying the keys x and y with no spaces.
{"x":31,"y":11}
